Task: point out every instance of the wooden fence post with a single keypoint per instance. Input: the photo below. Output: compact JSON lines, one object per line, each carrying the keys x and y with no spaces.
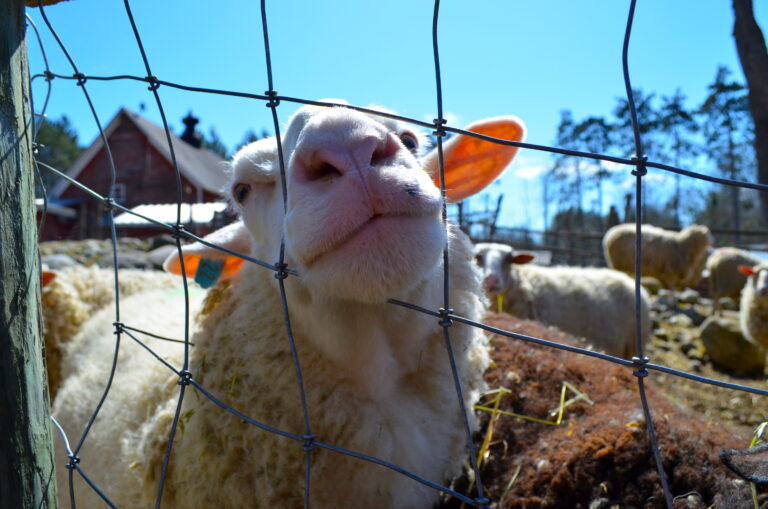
{"x":26,"y":455}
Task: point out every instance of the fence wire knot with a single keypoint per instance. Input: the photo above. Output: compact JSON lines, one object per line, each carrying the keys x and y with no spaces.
{"x":640,"y":363}
{"x":81,"y":78}
{"x":640,"y":169}
{"x":154,"y":83}
{"x":445,"y":320}
{"x":109,"y":203}
{"x":74,"y":460}
{"x":309,"y":442}
{"x":280,"y":272}
{"x":273,"y":102}
{"x":439,"y":130}
{"x":185,"y":377}
{"x":48,"y":75}
{"x":178,"y":231}
{"x":119,"y":327}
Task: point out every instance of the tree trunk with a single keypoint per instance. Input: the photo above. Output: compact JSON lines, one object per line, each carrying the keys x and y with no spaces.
{"x":754,"y":62}
{"x":26,"y":455}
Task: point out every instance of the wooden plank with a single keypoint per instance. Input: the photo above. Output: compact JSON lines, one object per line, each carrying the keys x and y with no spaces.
{"x":26,"y":455}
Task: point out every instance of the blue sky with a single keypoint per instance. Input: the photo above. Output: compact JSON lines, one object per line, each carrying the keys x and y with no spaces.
{"x":530,"y":59}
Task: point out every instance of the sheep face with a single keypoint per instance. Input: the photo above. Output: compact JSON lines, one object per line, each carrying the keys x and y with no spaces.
{"x":496,"y":262}
{"x":757,"y":281}
{"x":362,"y":219}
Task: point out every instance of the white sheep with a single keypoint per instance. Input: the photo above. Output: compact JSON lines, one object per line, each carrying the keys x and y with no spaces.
{"x":725,"y":277}
{"x":676,"y":259}
{"x":753,"y":310}
{"x":362,"y":225}
{"x":595,"y":303}
{"x":72,"y":295}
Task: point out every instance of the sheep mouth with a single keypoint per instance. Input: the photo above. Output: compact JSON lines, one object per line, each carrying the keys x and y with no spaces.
{"x":379,"y":228}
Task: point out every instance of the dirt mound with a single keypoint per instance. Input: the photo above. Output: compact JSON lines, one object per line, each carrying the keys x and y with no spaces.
{"x":600,"y":455}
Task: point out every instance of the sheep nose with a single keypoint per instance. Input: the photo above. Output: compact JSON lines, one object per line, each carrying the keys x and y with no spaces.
{"x":336,"y":160}
{"x":491,"y":283}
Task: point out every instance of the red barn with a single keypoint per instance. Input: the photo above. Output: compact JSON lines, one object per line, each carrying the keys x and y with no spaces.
{"x":144,"y":174}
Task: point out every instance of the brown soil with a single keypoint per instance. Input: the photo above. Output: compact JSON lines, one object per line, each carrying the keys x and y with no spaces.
{"x":600,"y":455}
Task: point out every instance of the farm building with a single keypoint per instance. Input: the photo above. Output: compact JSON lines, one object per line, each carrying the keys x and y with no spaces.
{"x":144,"y":176}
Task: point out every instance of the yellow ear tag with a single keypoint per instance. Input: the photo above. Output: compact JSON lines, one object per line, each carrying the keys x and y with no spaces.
{"x":500,"y":302}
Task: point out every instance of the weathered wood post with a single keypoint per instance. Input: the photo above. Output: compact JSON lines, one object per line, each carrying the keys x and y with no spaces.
{"x":26,"y":454}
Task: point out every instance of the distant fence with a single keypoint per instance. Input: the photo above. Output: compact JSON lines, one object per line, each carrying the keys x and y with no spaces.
{"x":573,"y":247}
{"x":640,"y":364}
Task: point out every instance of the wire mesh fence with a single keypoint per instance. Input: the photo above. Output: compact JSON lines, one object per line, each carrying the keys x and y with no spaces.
{"x":307,"y":441}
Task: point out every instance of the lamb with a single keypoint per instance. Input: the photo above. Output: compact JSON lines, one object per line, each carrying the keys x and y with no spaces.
{"x":72,"y":295}
{"x":362,"y":224}
{"x":753,"y":309}
{"x":676,"y":259}
{"x":725,"y":278}
{"x":595,"y":303}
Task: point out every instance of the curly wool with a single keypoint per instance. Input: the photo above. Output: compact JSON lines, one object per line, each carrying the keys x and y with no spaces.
{"x":242,"y":356}
{"x":75,"y":294}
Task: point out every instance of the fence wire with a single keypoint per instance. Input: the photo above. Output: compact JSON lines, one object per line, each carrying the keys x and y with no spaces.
{"x":639,"y":164}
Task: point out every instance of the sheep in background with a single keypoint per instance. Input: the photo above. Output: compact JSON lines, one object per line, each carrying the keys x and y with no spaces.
{"x":363,"y":224}
{"x":725,"y":277}
{"x":753,"y":312}
{"x":595,"y":303}
{"x":72,"y":295}
{"x":676,"y":259}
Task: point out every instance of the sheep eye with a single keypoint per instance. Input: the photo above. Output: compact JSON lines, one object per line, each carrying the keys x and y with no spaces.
{"x":241,"y":191}
{"x":410,"y":141}
{"x":479,"y":259}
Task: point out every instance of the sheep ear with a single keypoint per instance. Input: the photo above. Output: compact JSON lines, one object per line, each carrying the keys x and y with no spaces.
{"x":206,"y":264}
{"x":472,"y":164}
{"x":746,"y":270}
{"x":523,"y":258}
{"x":47,"y":277}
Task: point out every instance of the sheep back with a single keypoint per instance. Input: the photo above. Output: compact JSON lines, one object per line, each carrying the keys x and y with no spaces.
{"x":753,"y":312}
{"x":675,"y":259}
{"x":725,"y":278}
{"x":595,"y":303}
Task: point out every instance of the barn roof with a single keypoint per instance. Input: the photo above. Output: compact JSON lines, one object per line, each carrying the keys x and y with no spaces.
{"x":200,"y":166}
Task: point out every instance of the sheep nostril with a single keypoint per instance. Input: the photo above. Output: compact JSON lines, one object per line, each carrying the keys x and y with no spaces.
{"x":322,"y":171}
{"x":385,"y":149}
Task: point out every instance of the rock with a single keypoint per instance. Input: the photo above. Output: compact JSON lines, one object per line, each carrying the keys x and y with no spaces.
{"x":128,"y":261}
{"x":689,"y":296}
{"x":680,"y":320}
{"x":161,"y":240}
{"x":727,"y":303}
{"x":667,"y":299}
{"x":651,"y":284}
{"x":693,"y":314}
{"x":728,"y":348}
{"x":158,"y":255}
{"x":58,"y":261}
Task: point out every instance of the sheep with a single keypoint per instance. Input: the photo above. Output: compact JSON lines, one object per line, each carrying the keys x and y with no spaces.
{"x":725,"y":278}
{"x":595,"y":303}
{"x":70,"y":296}
{"x":676,"y":259}
{"x":753,"y":309}
{"x":362,"y":224}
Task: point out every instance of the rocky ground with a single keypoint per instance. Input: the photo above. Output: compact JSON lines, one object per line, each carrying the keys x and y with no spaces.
{"x":599,"y":457}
